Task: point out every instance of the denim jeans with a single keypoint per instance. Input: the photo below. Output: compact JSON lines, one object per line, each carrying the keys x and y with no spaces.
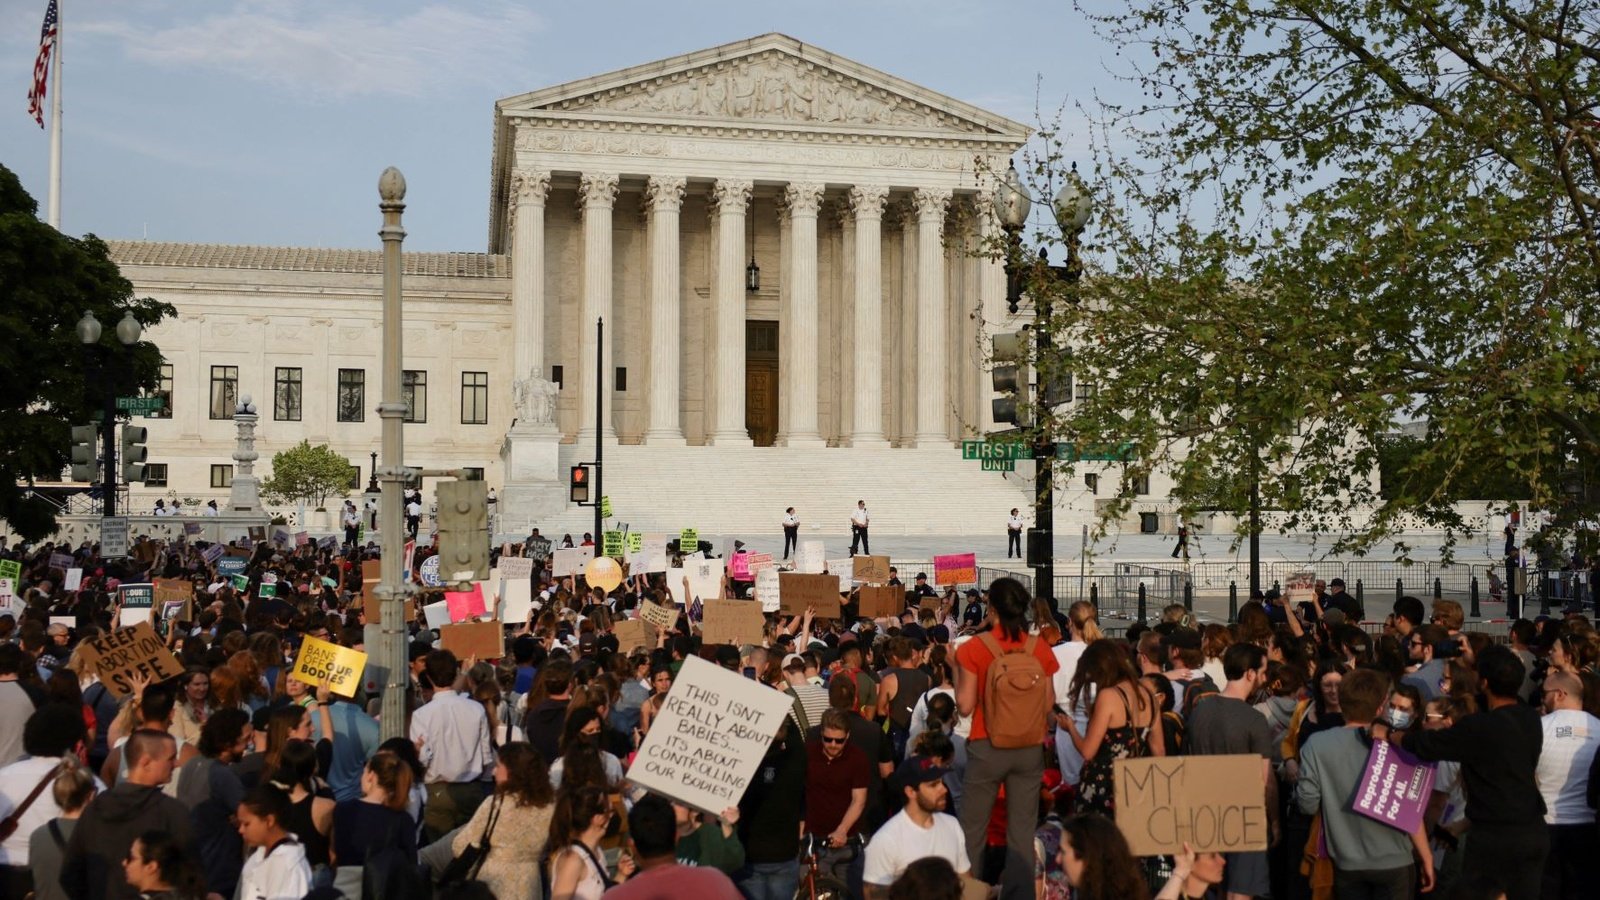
{"x":770,"y":881}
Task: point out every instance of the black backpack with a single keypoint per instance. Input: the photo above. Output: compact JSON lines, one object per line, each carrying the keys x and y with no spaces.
{"x":392,"y":875}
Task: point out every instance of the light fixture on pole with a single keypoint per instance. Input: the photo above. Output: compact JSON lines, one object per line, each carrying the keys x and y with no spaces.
{"x":1012,"y":204}
{"x":752,"y":272}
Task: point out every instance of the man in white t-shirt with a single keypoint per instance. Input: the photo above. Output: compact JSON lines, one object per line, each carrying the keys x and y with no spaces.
{"x":917,"y":831}
{"x":1571,"y":737}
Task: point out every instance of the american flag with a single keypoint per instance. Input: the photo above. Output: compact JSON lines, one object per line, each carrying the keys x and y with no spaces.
{"x":41,"y":65}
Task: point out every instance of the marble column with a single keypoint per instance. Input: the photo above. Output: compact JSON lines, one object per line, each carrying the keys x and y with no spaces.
{"x":597,"y":193}
{"x":527,"y":274}
{"x":867,"y":202}
{"x":991,"y":302}
{"x":800,"y":385}
{"x":906,"y":376}
{"x":932,"y":389}
{"x":730,"y":198}
{"x":664,"y":195}
{"x":840,"y":335}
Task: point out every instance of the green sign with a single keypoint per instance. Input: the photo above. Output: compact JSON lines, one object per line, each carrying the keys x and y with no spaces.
{"x":144,"y":406}
{"x":267,"y":590}
{"x":612,"y":545}
{"x":605,"y":507}
{"x":987,"y":450}
{"x":999,"y":465}
{"x":688,"y":540}
{"x":11,"y":569}
{"x":635,"y":541}
{"x":241,"y":582}
{"x":1015,"y":450}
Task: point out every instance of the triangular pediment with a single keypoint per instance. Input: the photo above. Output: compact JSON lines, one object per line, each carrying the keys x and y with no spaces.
{"x":773,"y":79}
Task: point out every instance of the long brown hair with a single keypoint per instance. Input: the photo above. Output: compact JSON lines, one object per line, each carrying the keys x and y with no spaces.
{"x":1109,"y":869}
{"x":1104,"y":665}
{"x":527,"y":775}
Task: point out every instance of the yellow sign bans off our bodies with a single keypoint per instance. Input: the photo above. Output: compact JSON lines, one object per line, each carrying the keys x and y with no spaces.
{"x":320,"y":661}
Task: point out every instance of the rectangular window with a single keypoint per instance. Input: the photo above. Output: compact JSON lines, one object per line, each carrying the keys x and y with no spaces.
{"x":221,"y":476}
{"x":1086,"y":390}
{"x":474,"y":398}
{"x":352,"y":395}
{"x":155,"y":475}
{"x":164,"y":391}
{"x":354,"y":482}
{"x":414,"y":391}
{"x":556,"y":376}
{"x":474,"y":473}
{"x":286,"y":395}
{"x":1141,"y":485}
{"x":224,"y":391}
{"x":622,"y":378}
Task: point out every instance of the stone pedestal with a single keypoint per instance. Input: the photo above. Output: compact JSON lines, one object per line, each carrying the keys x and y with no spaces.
{"x":530,"y":456}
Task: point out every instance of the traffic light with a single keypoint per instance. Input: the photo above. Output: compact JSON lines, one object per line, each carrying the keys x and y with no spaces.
{"x":133,"y":453}
{"x":1007,"y":375}
{"x":83,"y":455}
{"x":579,"y":484}
{"x":463,"y":524}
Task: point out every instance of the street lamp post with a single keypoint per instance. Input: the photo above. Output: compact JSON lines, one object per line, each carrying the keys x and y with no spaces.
{"x":1071,"y":208}
{"x":128,"y":333}
{"x":391,"y":591}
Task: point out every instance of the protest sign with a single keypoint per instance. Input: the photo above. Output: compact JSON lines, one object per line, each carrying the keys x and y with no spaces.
{"x":676,"y":579}
{"x":769,"y":589}
{"x":485,"y":640}
{"x":797,"y":591}
{"x":739,"y":567}
{"x":650,"y":560}
{"x":733,"y":622}
{"x":240,"y":582}
{"x":631,"y":635}
{"x":8,"y":598}
{"x":257,"y":533}
{"x":371,"y":575}
{"x":11,"y":570}
{"x":229,"y":566}
{"x":331,"y":542}
{"x":175,"y":590}
{"x":1394,"y":788}
{"x":74,"y":580}
{"x":465,"y":605}
{"x":844,"y":570}
{"x":428,"y":572}
{"x":1299,"y":587}
{"x":662,"y":617}
{"x":62,"y":561}
{"x":603,"y":572}
{"x":705,"y":578}
{"x":212,"y":553}
{"x":128,"y":652}
{"x":302,"y":538}
{"x":320,"y":661}
{"x":706,"y":743}
{"x":516,"y":601}
{"x":1215,"y":803}
{"x":878,"y":601}
{"x":688,"y":540}
{"x":137,"y":602}
{"x":613,"y":545}
{"x":955,"y":568}
{"x":191,"y":529}
{"x":635,"y":542}
{"x":436,"y":615}
{"x":267,"y":590}
{"x":810,"y":557}
{"x":571,"y":560}
{"x":755,"y":562}
{"x":114,"y":537}
{"x":929,"y":603}
{"x":282,"y":537}
{"x":871,"y":569}
{"x":513,"y":568}
{"x":536,"y":548}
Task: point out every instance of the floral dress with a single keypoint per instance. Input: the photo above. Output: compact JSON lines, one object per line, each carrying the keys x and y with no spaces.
{"x":1096,"y":790}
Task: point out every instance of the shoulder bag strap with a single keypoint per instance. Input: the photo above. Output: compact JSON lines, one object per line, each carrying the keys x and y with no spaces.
{"x":56,"y":835}
{"x":9,"y":824}
{"x":599,"y":864}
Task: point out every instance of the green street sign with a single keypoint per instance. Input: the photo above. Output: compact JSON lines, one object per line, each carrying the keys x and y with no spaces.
{"x":143,"y":406}
{"x":1010,"y":451}
{"x":987,"y":450}
{"x":999,"y":465}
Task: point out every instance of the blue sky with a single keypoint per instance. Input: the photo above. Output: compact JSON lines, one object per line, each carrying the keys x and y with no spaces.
{"x":268,"y":121}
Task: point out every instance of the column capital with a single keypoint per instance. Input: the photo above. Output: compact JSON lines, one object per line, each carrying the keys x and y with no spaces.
{"x":803,"y":198}
{"x":664,"y":193}
{"x":530,"y":186}
{"x":931,"y":203}
{"x":731,"y":193}
{"x":598,"y":190}
{"x":868,"y":200}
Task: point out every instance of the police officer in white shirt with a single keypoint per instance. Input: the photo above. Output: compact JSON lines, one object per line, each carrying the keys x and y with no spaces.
{"x":791,"y":532}
{"x":1014,"y":534}
{"x":858,"y":529}
{"x":413,"y":517}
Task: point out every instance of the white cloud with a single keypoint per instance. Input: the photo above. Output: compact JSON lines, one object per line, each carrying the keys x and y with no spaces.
{"x":328,"y":51}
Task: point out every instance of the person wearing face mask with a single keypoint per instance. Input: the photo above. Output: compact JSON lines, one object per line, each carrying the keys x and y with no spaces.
{"x":1370,"y":859}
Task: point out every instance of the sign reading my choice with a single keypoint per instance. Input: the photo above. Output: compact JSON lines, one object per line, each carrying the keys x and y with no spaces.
{"x":1214,"y":803}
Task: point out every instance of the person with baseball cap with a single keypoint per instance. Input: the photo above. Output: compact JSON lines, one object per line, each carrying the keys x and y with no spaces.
{"x":921,"y":828}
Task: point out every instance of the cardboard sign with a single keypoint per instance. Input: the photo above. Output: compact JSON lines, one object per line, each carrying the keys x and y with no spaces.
{"x":955,"y":568}
{"x":1395,"y":787}
{"x":810,"y":557}
{"x":320,"y":661}
{"x":175,"y":590}
{"x":127,"y":652}
{"x":485,"y":640}
{"x":516,"y":601}
{"x":1300,"y":587}
{"x":74,"y":580}
{"x":138,"y":600}
{"x":871,"y":569}
{"x":708,"y":740}
{"x":571,"y":560}
{"x":929,"y":603}
{"x":733,"y":622}
{"x":464,"y":605}
{"x":371,"y":575}
{"x":114,"y":537}
{"x":632,"y":634}
{"x":797,"y":591}
{"x":769,"y":589}
{"x":661,"y":617}
{"x":513,"y":568}
{"x":882,"y":601}
{"x":614,"y":545}
{"x":1215,"y":803}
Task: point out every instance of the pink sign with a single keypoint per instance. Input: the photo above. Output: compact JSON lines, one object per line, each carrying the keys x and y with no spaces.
{"x":463,"y":605}
{"x":1395,"y":787}
{"x":739,"y":567}
{"x":956,"y":568}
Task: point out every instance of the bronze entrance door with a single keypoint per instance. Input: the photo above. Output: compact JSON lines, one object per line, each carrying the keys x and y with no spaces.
{"x":761,"y":382}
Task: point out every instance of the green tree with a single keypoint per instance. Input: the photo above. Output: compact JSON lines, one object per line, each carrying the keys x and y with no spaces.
{"x":48,"y":280}
{"x":304,"y":473}
{"x":1325,"y":218}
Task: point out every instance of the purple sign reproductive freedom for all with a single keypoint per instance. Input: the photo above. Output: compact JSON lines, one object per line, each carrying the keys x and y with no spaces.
{"x":1395,"y":787}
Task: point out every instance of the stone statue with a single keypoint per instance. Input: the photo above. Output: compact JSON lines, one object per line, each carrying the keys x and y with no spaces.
{"x":535,"y":400}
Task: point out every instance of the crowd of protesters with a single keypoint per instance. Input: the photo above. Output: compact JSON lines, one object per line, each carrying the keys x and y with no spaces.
{"x":967,"y":744}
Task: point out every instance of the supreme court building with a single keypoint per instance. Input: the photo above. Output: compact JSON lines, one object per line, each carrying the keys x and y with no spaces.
{"x":783,"y":245}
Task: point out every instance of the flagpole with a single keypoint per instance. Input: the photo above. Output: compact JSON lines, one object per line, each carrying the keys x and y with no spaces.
{"x":55,"y":126}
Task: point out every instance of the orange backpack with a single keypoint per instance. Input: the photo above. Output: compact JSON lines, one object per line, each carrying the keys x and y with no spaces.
{"x":1016,"y":697}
